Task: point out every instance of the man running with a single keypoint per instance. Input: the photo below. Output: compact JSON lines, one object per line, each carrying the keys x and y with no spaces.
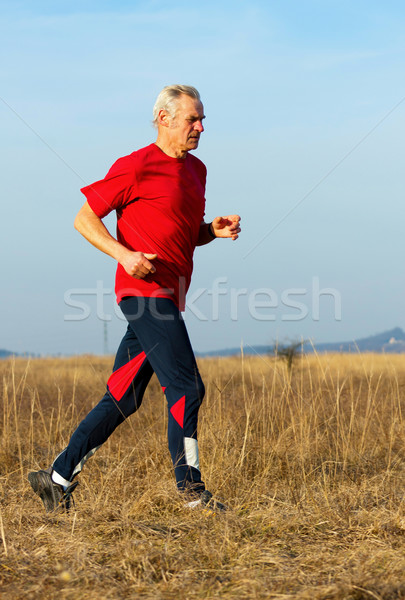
{"x":158,"y":195}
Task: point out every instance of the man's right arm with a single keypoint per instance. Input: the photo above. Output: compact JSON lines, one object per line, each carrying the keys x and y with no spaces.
{"x":136,"y":264}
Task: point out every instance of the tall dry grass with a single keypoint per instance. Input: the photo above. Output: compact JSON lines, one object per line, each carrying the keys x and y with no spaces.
{"x":311,"y":465}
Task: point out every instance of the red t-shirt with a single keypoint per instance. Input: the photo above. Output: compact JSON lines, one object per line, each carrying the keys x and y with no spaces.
{"x":160,"y":205}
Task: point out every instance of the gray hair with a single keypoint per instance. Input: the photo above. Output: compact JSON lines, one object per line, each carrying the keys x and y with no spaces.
{"x":168,"y":99}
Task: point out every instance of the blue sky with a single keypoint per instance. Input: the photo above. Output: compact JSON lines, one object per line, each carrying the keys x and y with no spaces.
{"x":304,"y":133}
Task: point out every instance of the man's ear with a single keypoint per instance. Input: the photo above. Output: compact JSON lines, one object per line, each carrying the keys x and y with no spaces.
{"x":163,"y":118}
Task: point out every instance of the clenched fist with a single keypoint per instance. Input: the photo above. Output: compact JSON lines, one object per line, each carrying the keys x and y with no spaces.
{"x":138,"y":265}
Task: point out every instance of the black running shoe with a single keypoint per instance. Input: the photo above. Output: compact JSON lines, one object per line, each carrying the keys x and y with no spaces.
{"x":207,"y":503}
{"x":52,"y":495}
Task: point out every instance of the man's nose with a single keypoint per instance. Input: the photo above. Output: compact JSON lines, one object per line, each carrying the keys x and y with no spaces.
{"x":198,"y":126}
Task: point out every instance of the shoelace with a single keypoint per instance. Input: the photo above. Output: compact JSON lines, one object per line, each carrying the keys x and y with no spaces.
{"x":67,"y":495}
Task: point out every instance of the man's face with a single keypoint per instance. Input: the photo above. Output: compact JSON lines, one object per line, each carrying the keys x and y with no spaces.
{"x":186,"y":127}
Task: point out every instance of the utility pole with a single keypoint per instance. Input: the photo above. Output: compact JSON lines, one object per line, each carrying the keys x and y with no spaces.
{"x":105,"y":339}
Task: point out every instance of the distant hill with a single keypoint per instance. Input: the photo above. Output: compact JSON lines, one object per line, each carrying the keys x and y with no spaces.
{"x":389,"y":342}
{"x":392,"y":341}
{"x":6,"y":353}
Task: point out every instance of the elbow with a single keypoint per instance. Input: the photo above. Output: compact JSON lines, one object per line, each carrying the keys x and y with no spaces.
{"x":80,"y":218}
{"x":77,"y":223}
{"x":85,"y":220}
{"x":80,"y":222}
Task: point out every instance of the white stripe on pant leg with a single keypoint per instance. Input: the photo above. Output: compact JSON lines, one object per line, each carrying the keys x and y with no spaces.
{"x":79,"y":467}
{"x":191,"y":452}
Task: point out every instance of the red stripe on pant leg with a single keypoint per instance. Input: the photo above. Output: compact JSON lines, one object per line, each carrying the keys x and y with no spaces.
{"x":121,"y":379}
{"x":177,"y":410}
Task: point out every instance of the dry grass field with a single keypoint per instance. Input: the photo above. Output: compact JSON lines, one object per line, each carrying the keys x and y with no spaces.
{"x":312,"y":467}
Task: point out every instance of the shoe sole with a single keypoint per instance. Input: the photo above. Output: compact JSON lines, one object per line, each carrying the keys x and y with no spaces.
{"x":39,"y":482}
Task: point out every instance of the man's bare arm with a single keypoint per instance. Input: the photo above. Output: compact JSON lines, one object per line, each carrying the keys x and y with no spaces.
{"x":136,"y":264}
{"x":221,"y":227}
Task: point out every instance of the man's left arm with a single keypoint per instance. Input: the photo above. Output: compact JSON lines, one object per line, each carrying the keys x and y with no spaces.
{"x":220,"y":227}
